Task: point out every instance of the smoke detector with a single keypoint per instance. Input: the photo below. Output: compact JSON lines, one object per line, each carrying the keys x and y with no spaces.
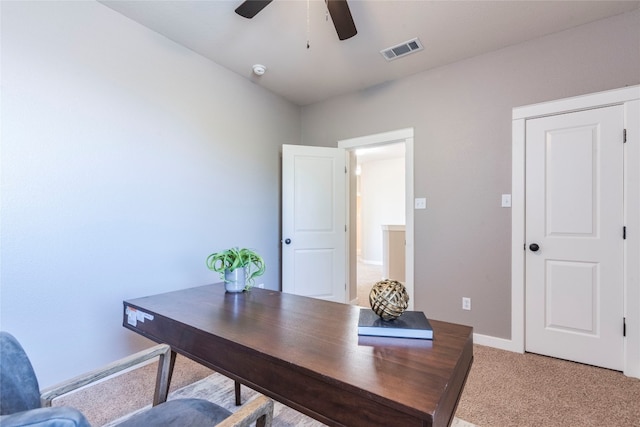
{"x":259,"y":69}
{"x":402,"y":49}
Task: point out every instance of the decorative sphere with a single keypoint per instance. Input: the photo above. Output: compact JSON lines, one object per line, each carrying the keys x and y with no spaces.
{"x":388,"y":299}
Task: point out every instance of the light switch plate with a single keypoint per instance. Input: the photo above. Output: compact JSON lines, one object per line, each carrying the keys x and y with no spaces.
{"x":420,"y":203}
{"x":506,"y":200}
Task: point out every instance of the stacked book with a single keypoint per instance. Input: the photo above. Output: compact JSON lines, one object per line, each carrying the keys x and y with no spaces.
{"x":411,"y":324}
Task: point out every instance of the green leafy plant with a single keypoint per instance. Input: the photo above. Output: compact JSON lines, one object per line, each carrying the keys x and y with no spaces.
{"x":233,"y":258}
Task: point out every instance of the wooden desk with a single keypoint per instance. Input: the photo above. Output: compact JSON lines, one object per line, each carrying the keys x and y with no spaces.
{"x":306,"y":354}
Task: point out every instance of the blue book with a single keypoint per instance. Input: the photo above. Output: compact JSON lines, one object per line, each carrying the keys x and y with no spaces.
{"x":411,"y":324}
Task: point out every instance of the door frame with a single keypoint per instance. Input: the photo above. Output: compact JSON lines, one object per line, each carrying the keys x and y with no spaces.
{"x":629,"y":97}
{"x":391,"y":137}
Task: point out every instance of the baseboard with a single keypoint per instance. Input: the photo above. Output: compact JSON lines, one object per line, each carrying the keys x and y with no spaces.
{"x":495,"y":342}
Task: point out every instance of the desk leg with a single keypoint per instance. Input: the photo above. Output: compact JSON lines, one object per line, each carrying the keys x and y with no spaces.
{"x":172,"y":364}
{"x":238,"y":397}
{"x":166,"y":362}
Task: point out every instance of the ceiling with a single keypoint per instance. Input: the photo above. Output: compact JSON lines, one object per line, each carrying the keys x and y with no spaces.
{"x":277,"y":37}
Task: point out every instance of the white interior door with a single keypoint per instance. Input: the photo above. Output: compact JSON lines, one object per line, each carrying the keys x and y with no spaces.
{"x":314,"y":222}
{"x":574,"y":234}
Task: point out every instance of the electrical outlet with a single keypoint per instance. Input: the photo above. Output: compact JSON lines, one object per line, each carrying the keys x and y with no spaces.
{"x":420,"y":203}
{"x":260,"y":285}
{"x":466,"y":303}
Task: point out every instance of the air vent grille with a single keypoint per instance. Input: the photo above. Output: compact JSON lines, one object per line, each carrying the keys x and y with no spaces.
{"x":402,"y":49}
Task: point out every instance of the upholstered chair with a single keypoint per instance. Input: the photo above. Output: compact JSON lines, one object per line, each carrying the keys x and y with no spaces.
{"x":23,"y":404}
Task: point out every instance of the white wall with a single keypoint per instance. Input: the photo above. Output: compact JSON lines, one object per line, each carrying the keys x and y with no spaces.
{"x":382,"y":197}
{"x":461,"y":116}
{"x":126,"y":160}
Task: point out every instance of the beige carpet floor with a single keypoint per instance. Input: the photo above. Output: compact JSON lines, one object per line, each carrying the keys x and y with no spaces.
{"x":511,"y":389}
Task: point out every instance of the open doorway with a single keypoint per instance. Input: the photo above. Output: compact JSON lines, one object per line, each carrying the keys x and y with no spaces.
{"x":380,"y":216}
{"x":397,"y":140}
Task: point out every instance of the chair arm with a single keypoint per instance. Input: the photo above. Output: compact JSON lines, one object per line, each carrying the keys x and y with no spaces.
{"x":258,"y":410}
{"x":163,"y":351}
{"x":42,"y":417}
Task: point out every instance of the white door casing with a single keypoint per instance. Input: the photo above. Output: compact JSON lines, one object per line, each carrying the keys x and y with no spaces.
{"x":405,"y":136}
{"x":314,"y":222}
{"x":574,"y":214}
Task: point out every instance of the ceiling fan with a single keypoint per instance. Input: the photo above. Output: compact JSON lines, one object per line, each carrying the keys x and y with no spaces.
{"x":338,"y":9}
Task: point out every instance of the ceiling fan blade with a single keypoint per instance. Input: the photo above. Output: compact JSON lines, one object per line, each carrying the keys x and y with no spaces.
{"x":342,"y":19}
{"x":250,"y":8}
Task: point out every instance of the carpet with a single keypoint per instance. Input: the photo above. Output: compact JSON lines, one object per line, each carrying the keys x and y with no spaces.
{"x":529,"y":390}
{"x":220,"y":389}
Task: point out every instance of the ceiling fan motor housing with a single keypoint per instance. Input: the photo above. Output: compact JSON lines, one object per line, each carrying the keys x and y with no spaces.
{"x":338,"y":9}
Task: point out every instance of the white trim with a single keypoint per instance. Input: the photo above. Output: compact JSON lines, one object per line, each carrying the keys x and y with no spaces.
{"x":630,"y":97}
{"x":399,"y":135}
{"x":410,"y":229}
{"x":406,"y":136}
{"x":577,"y":103}
{"x":495,"y":342}
{"x":517,"y":235}
{"x":632,"y":243}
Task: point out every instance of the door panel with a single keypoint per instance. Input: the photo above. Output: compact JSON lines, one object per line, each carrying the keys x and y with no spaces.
{"x":572,"y":296}
{"x":571,"y":197}
{"x":314,"y":221}
{"x":313,"y":272}
{"x":574,"y":213}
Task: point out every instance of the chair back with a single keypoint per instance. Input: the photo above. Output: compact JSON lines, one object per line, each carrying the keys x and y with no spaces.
{"x":19,"y":390}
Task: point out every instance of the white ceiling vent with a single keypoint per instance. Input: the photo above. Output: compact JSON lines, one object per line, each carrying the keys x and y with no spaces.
{"x":402,"y":49}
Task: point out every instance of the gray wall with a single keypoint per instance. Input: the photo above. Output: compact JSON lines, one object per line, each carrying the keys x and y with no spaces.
{"x":461,"y":114}
{"x":126,"y":160}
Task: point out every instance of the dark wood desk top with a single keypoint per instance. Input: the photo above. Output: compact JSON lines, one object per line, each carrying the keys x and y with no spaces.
{"x":306,"y":353}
